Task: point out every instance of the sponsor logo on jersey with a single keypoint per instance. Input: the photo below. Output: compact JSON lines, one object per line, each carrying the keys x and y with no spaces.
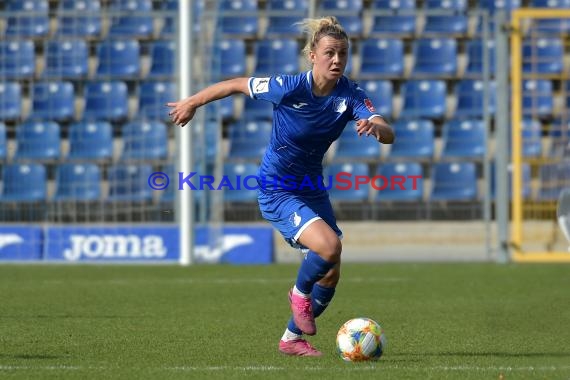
{"x":369,"y":105}
{"x":260,"y":85}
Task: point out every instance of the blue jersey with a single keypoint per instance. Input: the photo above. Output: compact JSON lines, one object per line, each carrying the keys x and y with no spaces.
{"x":305,"y":125}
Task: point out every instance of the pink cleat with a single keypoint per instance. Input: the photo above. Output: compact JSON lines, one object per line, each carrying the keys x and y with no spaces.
{"x":298,"y":347}
{"x":302,"y":313}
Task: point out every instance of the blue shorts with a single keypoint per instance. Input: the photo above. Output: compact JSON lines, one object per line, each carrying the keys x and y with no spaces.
{"x":291,"y":213}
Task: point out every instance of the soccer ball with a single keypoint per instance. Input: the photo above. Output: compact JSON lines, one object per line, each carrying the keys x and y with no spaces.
{"x":360,"y":339}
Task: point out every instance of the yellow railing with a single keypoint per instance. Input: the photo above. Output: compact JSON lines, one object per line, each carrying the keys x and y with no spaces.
{"x":533,"y":239}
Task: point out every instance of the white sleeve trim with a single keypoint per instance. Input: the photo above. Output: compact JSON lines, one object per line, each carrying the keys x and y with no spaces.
{"x":249,"y":87}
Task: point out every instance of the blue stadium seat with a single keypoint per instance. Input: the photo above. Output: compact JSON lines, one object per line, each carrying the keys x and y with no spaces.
{"x":538,"y":98}
{"x":415,"y":140}
{"x":382,"y":57}
{"x":446,"y":17}
{"x":79,"y":18}
{"x":153,"y":97}
{"x":27,"y":18}
{"x":454,"y":181}
{"x":475,"y":54}
{"x":464,"y":139}
{"x":118,"y":59}
{"x":144,"y":140}
{"x":77,"y":182}
{"x":394,"y":17}
{"x":526,"y":181}
{"x":170,"y":8}
{"x":168,"y":195}
{"x":543,"y":55}
{"x":53,"y":101}
{"x":424,"y":99}
{"x":276,"y":56}
{"x":342,"y":177}
{"x":403,"y":181}
{"x":131,"y":19}
{"x":435,"y":57}
{"x":3,"y":143}
{"x":553,"y":178}
{"x":24,"y":182}
{"x":10,"y":101}
{"x":129,"y":183}
{"x":162,"y":57}
{"x":257,"y":109}
{"x":352,"y":147}
{"x":551,"y":26}
{"x":206,"y":140}
{"x":249,"y":139}
{"x":66,"y":59}
{"x":17,"y":59}
{"x":470,"y":95}
{"x":223,"y":108}
{"x":39,"y":141}
{"x":559,"y":135}
{"x":282,"y":16}
{"x":91,"y":141}
{"x":239,"y":17}
{"x":381,"y":94}
{"x":231,"y":58}
{"x":348,"y":13}
{"x":246,"y":172}
{"x":493,"y":5}
{"x":532,"y":138}
{"x":106,"y":101}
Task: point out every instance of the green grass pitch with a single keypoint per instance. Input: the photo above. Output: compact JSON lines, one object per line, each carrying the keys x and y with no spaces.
{"x":442,"y":321}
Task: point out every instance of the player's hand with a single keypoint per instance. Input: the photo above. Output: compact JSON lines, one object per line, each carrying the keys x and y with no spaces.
{"x":182,"y":112}
{"x":377,"y":127}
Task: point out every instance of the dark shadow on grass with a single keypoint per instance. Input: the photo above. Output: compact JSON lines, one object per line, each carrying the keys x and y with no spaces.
{"x":30,"y":356}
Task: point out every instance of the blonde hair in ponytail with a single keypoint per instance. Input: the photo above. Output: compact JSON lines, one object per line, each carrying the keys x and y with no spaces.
{"x":317,"y":28}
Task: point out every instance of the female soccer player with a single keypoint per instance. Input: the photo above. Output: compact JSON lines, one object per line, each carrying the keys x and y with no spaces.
{"x":310,"y":110}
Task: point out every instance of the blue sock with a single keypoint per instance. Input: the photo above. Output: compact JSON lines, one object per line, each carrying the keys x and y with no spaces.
{"x":313,"y":268}
{"x":293,"y":327}
{"x":321,"y":298}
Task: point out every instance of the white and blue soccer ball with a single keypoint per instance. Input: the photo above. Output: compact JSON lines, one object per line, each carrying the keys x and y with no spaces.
{"x":360,"y":339}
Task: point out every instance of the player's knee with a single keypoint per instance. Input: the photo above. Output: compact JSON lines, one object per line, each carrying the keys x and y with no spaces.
{"x":331,"y":250}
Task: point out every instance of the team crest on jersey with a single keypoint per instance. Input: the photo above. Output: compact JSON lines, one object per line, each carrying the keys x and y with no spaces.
{"x":260,"y":85}
{"x":295,"y":219}
{"x":340,"y":105}
{"x":369,"y":105}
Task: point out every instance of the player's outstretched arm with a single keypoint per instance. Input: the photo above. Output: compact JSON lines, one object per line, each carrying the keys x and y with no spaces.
{"x":377,"y":127}
{"x":183,"y":110}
